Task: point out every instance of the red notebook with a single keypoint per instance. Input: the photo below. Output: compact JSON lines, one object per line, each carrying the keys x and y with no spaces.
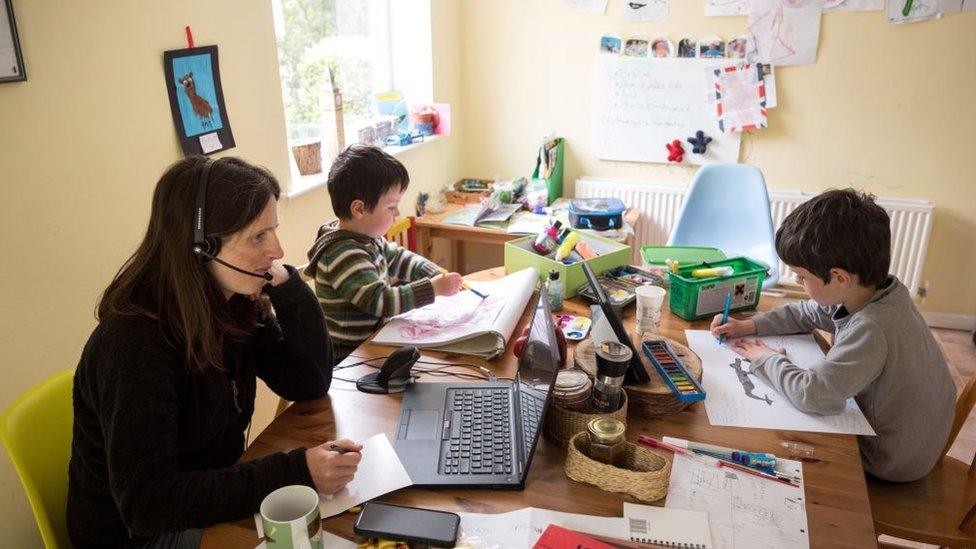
{"x":557,"y":537}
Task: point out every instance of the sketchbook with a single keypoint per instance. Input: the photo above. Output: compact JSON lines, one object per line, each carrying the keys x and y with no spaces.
{"x":737,"y":397}
{"x":464,"y":323}
{"x":743,"y":510}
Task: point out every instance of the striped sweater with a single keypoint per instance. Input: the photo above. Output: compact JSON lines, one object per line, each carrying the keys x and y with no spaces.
{"x":360,"y":281}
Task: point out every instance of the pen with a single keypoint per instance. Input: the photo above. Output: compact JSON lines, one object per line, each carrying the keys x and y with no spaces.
{"x":337,"y":449}
{"x":755,"y":472}
{"x":464,"y":285}
{"x":759,"y":460}
{"x":725,"y":315}
{"x":678,"y":450}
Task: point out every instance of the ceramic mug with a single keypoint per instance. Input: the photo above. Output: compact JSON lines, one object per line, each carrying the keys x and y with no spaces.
{"x":291,"y":520}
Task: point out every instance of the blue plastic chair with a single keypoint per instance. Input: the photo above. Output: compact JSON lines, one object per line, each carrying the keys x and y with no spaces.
{"x":727,"y":207}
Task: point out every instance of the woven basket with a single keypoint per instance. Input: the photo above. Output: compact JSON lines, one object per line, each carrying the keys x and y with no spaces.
{"x":562,"y":424}
{"x":643,"y":475}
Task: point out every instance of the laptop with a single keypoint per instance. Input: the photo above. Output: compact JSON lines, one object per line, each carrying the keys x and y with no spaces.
{"x":483,"y":434}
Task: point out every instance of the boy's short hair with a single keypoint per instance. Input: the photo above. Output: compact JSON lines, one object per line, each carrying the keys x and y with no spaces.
{"x":363,"y":172}
{"x":845,"y":229}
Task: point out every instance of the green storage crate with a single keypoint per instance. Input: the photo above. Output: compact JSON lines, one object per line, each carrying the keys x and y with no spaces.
{"x":519,"y":255}
{"x":697,"y":298}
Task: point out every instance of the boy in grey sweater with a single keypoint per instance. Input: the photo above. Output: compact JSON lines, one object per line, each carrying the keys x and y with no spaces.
{"x":838,"y":245}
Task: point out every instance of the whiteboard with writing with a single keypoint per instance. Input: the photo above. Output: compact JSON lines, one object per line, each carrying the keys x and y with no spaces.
{"x":645,"y":103}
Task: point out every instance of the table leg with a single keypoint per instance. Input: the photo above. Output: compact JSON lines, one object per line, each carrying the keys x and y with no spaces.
{"x":459,"y":259}
{"x":425,"y":244}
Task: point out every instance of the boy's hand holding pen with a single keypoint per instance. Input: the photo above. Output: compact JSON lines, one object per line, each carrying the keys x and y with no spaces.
{"x":451,"y":283}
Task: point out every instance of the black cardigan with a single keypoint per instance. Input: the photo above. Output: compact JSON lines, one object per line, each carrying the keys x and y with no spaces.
{"x":155,"y":445}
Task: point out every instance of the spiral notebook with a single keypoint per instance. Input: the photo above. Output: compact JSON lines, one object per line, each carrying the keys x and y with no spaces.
{"x":668,"y":526}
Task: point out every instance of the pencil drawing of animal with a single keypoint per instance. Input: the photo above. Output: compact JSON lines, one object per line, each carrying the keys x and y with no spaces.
{"x":201,"y":107}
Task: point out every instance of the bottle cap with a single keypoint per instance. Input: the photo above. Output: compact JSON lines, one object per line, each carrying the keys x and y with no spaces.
{"x":606,"y":430}
{"x":554,"y":275}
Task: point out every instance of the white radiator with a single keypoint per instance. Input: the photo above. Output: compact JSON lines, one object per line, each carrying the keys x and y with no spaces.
{"x":660,"y":204}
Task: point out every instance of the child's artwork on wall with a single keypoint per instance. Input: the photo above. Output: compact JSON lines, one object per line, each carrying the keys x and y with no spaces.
{"x":642,"y":105}
{"x":592,"y":6}
{"x":715,"y":8}
{"x":11,"y":60}
{"x":196,"y":100}
{"x":646,"y":10}
{"x":784,"y":32}
{"x":853,"y":5}
{"x":740,"y":97}
{"x":912,"y":11}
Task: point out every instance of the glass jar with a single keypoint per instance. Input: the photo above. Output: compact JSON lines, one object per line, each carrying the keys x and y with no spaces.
{"x":606,"y":440}
{"x":572,"y":390}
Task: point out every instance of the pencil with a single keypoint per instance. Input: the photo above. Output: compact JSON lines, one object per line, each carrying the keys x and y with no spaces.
{"x":464,"y":285}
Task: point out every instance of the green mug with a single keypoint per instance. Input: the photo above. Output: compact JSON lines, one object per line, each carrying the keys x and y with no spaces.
{"x":291,"y":519}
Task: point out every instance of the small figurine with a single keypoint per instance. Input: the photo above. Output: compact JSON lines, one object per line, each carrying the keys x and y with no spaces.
{"x":699,"y":142}
{"x":675,"y":151}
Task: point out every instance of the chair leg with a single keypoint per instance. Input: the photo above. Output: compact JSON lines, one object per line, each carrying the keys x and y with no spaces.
{"x":968,"y":523}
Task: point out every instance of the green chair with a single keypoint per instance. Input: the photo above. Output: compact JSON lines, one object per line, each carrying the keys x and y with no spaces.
{"x":36,"y":430}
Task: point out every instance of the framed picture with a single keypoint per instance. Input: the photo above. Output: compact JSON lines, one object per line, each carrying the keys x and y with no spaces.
{"x":197,"y":100}
{"x":11,"y":60}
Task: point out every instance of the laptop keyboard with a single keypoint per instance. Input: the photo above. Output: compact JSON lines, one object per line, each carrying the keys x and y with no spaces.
{"x":478,"y":440}
{"x":532,"y":406}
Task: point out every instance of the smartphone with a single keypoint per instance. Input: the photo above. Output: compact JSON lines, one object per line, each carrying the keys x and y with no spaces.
{"x":399,"y":523}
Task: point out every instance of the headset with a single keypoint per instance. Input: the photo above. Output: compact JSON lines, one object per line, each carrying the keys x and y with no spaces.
{"x":207,"y":247}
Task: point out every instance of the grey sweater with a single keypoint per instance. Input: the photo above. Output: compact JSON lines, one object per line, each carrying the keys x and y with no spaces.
{"x":884,"y":356}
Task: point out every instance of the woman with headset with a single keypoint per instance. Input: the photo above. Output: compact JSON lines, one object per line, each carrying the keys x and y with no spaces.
{"x":165,"y":387}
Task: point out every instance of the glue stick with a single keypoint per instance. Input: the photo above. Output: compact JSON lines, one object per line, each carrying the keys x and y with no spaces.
{"x":711,"y":272}
{"x":567,"y":246}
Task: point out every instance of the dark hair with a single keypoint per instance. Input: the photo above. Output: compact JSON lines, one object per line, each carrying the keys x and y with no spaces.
{"x":366,"y":173}
{"x":164,"y":280}
{"x":842,"y":229}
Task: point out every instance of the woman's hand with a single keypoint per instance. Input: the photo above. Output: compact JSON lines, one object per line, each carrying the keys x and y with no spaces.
{"x":278,"y":272}
{"x":330,"y":469}
{"x":733,"y":328}
{"x":753,"y":349}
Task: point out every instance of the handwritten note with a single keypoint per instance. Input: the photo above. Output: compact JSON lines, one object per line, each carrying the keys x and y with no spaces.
{"x":736,"y":397}
{"x":644,"y":104}
{"x":743,"y":510}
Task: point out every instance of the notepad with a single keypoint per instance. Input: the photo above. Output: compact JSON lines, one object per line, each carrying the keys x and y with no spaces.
{"x":668,"y":526}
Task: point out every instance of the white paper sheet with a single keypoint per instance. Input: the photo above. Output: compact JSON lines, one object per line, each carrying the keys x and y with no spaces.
{"x":744,"y":511}
{"x":672,"y":527}
{"x":592,"y":6}
{"x":853,"y":5}
{"x":521,"y":528}
{"x":784,"y":32}
{"x":646,"y":10}
{"x":380,"y":472}
{"x":751,"y":402}
{"x":715,"y":8}
{"x":644,"y":104}
{"x":920,"y":10}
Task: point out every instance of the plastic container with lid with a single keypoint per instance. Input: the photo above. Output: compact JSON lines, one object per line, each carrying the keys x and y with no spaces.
{"x":606,"y":440}
{"x":572,"y":390}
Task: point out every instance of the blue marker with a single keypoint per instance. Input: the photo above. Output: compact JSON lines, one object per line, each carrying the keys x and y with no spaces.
{"x":725,"y":315}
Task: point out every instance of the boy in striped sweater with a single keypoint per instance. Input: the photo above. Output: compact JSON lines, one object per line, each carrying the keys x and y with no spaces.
{"x":360,"y":277}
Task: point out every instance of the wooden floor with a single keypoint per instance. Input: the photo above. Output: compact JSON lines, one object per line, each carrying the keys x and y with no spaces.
{"x":961,"y":354}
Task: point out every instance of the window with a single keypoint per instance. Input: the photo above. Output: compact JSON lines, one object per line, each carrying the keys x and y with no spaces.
{"x":354,"y":38}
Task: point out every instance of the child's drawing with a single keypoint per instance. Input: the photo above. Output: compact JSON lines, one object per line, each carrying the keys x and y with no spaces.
{"x":747,"y":384}
{"x":461,"y":320}
{"x":784,"y":32}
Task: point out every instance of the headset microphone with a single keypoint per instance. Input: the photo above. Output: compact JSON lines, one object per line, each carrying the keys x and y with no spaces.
{"x":205,"y":247}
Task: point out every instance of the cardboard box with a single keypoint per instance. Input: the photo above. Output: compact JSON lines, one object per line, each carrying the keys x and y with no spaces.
{"x":519,"y":255}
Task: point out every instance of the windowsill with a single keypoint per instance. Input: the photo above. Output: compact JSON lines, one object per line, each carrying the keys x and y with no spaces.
{"x":301,"y":184}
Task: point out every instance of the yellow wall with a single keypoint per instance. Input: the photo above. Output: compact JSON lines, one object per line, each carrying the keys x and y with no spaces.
{"x":886,"y":108}
{"x":85,"y":139}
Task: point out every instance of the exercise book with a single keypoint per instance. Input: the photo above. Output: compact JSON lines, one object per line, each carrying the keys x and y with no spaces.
{"x":465,"y":323}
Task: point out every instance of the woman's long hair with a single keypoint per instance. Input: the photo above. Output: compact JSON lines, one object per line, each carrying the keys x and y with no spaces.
{"x":164,"y":280}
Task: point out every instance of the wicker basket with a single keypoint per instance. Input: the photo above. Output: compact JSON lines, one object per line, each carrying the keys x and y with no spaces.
{"x":643,"y":475}
{"x":562,"y":424}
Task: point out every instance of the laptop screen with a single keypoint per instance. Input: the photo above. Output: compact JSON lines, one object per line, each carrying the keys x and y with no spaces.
{"x":536,"y":374}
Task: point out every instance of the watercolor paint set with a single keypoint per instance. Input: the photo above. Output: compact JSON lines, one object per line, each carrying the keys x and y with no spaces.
{"x":684,"y":386}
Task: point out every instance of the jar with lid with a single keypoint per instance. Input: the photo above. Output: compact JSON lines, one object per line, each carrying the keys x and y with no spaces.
{"x":606,"y":437}
{"x":572,"y":390}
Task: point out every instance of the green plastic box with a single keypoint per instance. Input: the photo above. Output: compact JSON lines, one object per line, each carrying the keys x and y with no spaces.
{"x":657,"y":256}
{"x":696,"y":298}
{"x":519,"y":255}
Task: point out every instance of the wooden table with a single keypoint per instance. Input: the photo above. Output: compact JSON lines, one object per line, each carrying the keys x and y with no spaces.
{"x":432,"y":225}
{"x":838,"y":512}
